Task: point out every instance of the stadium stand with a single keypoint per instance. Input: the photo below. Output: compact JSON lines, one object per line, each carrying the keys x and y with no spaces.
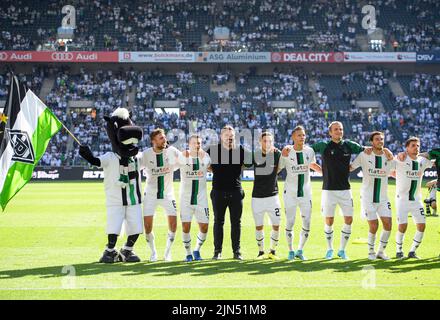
{"x":258,"y":25}
{"x":363,"y":99}
{"x":80,"y":99}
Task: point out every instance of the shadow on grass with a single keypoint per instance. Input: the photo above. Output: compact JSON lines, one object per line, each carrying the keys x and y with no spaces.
{"x":210,"y":267}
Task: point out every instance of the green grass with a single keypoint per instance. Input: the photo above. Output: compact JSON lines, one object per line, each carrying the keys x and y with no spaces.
{"x":51,"y":228}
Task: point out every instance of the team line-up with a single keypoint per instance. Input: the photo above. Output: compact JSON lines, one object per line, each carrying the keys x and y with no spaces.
{"x":127,"y":206}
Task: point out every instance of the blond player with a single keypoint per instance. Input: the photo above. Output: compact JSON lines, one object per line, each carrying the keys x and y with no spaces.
{"x":298,"y":189}
{"x":194,"y":163}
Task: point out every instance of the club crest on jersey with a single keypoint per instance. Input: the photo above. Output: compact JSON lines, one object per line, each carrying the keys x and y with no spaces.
{"x":22,"y":146}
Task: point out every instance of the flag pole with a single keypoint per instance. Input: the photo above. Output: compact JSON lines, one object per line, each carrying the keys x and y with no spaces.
{"x":71,"y":134}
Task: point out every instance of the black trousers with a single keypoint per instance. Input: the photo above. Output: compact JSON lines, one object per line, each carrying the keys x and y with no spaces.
{"x":221,"y":200}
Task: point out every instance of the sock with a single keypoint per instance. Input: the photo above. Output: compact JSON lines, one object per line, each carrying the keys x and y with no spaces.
{"x":131,"y":240}
{"x":170,"y":240}
{"x":259,"y":236}
{"x":112,"y":238}
{"x":186,"y":238}
{"x":399,"y":241}
{"x":289,"y":237}
{"x":417,"y":241}
{"x":274,"y":236}
{"x":150,"y":241}
{"x":385,"y":235}
{"x":304,"y":234}
{"x":201,"y":237}
{"x":329,"y":236}
{"x":345,"y":235}
{"x":371,"y":242}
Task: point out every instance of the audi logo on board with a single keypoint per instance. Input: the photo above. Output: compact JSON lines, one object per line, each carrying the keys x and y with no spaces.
{"x":3,"y":56}
{"x":62,"y":56}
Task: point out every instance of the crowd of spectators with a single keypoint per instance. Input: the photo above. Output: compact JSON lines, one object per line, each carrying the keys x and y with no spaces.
{"x":81,"y":98}
{"x":255,"y":25}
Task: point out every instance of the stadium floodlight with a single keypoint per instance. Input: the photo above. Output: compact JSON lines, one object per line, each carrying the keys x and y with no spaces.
{"x":376,"y":45}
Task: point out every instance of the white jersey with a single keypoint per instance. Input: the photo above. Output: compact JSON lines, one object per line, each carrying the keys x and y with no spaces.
{"x":159,"y":168}
{"x":409,"y":174}
{"x":115,"y":193}
{"x":193,"y":171}
{"x":376,"y":170}
{"x":297,"y":165}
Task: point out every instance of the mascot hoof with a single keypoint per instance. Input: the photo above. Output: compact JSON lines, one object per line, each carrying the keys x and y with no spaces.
{"x":109,"y":257}
{"x":128,"y":256}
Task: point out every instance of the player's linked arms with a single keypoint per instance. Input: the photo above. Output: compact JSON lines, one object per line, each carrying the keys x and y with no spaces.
{"x":393,"y":174}
{"x":388,"y":154}
{"x":425,"y":155}
{"x":386,"y":151}
{"x":286,"y":150}
{"x":368,"y":150}
{"x":401,"y":156}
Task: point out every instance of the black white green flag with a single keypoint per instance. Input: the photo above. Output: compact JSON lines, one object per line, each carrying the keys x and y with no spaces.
{"x":26,"y":126}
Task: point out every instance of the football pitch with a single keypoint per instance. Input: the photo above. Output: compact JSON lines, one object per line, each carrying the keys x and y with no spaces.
{"x":52,"y":235}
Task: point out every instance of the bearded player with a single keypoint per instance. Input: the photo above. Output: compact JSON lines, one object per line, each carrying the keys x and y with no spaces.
{"x":409,"y":175}
{"x":160,"y":162}
{"x":374,"y":193}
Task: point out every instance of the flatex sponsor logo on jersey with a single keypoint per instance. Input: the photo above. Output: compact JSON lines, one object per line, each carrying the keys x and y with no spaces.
{"x":300,"y":168}
{"x":413,"y":174}
{"x":160,"y":171}
{"x":194,"y":174}
{"x":380,"y":173}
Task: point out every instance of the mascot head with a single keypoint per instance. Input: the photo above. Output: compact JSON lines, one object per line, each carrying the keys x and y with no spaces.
{"x":123,"y":134}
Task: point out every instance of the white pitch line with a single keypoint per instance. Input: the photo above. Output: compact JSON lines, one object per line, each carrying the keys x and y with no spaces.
{"x":224,"y":287}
